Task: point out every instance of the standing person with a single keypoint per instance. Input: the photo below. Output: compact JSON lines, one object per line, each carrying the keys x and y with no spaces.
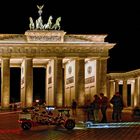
{"x":117,"y":103}
{"x":104,"y":105}
{"x":96,"y":106}
{"x":87,"y":110}
{"x":113,"y":109}
{"x":92,"y":111}
{"x":74,"y":106}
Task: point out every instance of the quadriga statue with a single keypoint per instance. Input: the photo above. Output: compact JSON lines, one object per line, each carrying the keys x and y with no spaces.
{"x":49,"y":23}
{"x":31,"y":24}
{"x":57,"y":24}
{"x":39,"y":23}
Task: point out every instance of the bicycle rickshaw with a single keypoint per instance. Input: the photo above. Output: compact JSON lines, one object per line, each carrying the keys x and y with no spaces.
{"x":48,"y":115}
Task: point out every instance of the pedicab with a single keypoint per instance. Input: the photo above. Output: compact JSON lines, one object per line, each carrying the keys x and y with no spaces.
{"x":31,"y":117}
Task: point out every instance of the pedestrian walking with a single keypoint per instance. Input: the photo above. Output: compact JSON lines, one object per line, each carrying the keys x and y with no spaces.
{"x":96,"y":106}
{"x":92,"y":111}
{"x":104,"y":106}
{"x":87,"y":110}
{"x":117,"y":103}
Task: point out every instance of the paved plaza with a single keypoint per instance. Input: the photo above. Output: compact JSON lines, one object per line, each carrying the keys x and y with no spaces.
{"x":127,"y":129}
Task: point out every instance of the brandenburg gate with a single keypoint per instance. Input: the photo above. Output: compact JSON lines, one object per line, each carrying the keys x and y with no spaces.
{"x":76,"y":64}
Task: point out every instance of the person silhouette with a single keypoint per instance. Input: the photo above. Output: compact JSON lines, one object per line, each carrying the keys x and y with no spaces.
{"x":74,"y":107}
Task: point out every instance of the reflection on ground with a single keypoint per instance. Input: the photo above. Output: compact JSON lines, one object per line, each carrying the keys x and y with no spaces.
{"x":90,"y":124}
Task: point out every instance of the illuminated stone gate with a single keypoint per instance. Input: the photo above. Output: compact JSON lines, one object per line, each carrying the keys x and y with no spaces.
{"x":76,"y":65}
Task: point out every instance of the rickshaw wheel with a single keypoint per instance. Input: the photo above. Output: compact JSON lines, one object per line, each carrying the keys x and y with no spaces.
{"x":69,"y":124}
{"x":26,"y":125}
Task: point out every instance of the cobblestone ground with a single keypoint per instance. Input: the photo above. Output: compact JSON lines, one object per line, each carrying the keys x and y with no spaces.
{"x":49,"y":133}
{"x":10,"y":130}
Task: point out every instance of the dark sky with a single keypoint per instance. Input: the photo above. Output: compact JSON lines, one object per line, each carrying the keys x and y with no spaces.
{"x":119,"y":20}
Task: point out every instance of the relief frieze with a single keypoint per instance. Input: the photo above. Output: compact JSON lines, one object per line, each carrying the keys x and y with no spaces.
{"x":90,"y":80}
{"x":44,"y":38}
{"x":70,"y":80}
{"x":50,"y":50}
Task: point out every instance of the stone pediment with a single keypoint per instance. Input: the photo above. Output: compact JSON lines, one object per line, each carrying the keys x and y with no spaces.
{"x":51,"y":36}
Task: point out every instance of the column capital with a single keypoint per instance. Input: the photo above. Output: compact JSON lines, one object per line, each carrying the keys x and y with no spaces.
{"x":125,"y":80}
{"x":116,"y":80}
{"x":111,"y":80}
{"x":5,"y":57}
{"x":58,"y":58}
{"x":102,"y":58}
{"x":80,"y":58}
{"x":27,"y":57}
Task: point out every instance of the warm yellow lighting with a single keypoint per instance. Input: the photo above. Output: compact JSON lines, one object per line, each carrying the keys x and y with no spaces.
{"x":37,"y":101}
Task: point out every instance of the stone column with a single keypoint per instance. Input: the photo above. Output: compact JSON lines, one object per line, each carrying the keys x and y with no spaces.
{"x":58,"y":82}
{"x":112,"y":88}
{"x":49,"y":98}
{"x":124,"y":94}
{"x":80,"y":80}
{"x":138,"y":91}
{"x":46,"y":83}
{"x":5,"y":82}
{"x":101,"y":71}
{"x":97,"y":77}
{"x":132,"y":94}
{"x":136,"y":99}
{"x":65,"y":86}
{"x":27,"y":82}
{"x":116,"y":86}
{"x":108,"y":88}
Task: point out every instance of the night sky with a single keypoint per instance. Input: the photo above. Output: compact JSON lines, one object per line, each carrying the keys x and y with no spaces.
{"x":119,"y":20}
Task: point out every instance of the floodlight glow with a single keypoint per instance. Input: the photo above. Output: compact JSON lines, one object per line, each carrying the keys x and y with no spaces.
{"x":37,"y":101}
{"x":50,"y":108}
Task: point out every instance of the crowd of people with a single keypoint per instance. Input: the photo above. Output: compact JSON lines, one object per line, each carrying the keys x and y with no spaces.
{"x":101,"y":103}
